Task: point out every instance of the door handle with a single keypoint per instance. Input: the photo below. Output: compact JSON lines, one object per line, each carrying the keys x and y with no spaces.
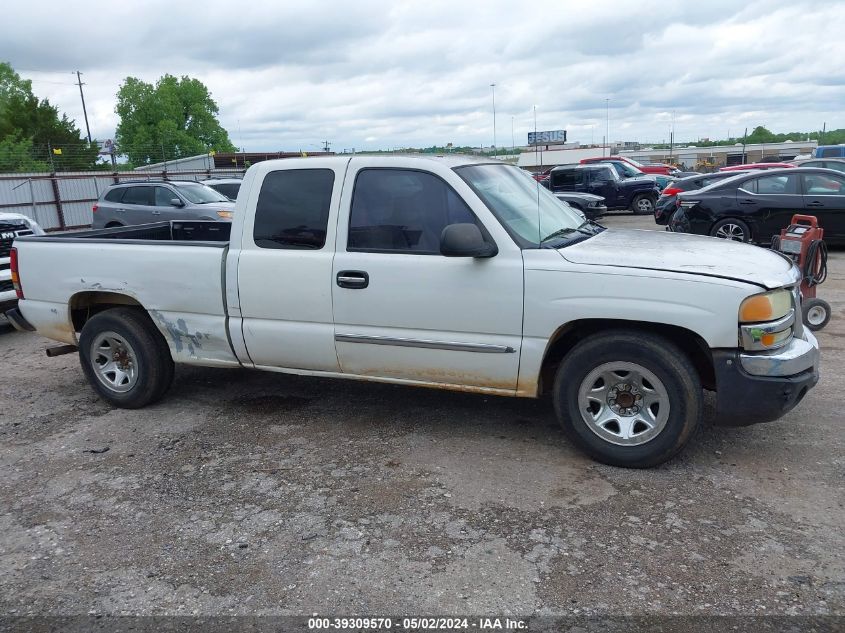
{"x":156,"y":212}
{"x":353,"y":279}
{"x":815,"y":203}
{"x":747,"y":201}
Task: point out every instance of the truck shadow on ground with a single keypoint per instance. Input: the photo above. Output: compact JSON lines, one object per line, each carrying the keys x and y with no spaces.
{"x":350,"y":407}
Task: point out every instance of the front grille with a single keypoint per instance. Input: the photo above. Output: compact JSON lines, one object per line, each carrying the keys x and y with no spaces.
{"x":6,"y":285}
{"x":8,"y":233}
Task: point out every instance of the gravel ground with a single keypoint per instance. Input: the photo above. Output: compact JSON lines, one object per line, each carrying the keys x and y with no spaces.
{"x":257,"y":493}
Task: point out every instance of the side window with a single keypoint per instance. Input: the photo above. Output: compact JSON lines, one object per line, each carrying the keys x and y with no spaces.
{"x":829,"y":152}
{"x":564,"y":179}
{"x":115,"y":194}
{"x":293,"y":209}
{"x":601,"y":175}
{"x":138,"y":195}
{"x":823,"y":184}
{"x":776,"y":184}
{"x":837,"y":165}
{"x":164,"y":196}
{"x":402,"y":211}
{"x":749,"y":185}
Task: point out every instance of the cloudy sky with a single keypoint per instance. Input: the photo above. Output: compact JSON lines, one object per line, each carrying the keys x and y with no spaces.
{"x":288,"y":75}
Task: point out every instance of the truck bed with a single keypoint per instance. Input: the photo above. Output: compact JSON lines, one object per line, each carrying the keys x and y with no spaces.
{"x":173,"y":270}
{"x":173,"y":231}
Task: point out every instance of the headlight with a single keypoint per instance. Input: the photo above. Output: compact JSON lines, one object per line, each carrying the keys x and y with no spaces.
{"x":225,"y":214}
{"x":766,"y":320}
{"x":767,"y":306}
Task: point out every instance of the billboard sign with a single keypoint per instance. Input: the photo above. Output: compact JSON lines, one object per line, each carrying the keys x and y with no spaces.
{"x":549,"y":137}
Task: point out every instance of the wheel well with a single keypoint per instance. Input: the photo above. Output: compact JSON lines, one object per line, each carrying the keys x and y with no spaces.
{"x":569,"y":335}
{"x":112,"y":225}
{"x":84,"y":305}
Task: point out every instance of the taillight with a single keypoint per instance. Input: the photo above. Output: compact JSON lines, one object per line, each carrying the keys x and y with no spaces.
{"x":16,"y":279}
{"x":672,"y":191}
{"x":94,"y":208}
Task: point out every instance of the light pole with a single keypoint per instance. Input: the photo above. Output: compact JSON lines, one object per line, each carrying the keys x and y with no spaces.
{"x":513,"y":142}
{"x":606,"y":126}
{"x":493,"y":86}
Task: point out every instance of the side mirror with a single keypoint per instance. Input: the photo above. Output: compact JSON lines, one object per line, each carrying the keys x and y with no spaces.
{"x":465,"y":240}
{"x":176,"y":202}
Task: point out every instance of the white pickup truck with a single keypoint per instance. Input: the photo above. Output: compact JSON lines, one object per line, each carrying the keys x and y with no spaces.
{"x":438,"y":272}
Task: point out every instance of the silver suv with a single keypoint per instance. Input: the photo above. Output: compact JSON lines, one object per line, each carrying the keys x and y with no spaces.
{"x":156,"y":201}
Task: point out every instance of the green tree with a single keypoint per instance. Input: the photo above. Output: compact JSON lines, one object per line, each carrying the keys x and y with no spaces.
{"x":174,"y":119}
{"x":29,"y":126}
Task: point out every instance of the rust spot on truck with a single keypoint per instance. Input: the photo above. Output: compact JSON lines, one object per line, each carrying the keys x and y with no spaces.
{"x":177,"y":331}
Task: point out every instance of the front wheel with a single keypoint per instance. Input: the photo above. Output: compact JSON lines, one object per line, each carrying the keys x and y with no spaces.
{"x":125,"y":358}
{"x":642,"y":205}
{"x":628,"y":399}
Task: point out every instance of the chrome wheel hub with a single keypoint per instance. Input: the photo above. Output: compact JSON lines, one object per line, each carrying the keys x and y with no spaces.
{"x":114,"y":362}
{"x":623,"y":403}
{"x":731,"y":232}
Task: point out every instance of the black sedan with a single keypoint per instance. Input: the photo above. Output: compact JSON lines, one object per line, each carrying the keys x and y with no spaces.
{"x":755,"y":206}
{"x":590,"y":205}
{"x":668,"y":202}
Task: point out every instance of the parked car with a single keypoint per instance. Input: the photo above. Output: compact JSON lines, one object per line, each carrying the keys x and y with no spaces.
{"x":653,"y":168}
{"x":668,"y":200}
{"x":829,"y":163}
{"x":321,"y":274}
{"x":829,"y":151}
{"x":686,"y":174}
{"x":637,"y":194}
{"x":141,"y":202}
{"x":12,"y":226}
{"x":593,"y":207}
{"x":229,"y":187}
{"x":754,"y":207}
{"x":757,"y":166}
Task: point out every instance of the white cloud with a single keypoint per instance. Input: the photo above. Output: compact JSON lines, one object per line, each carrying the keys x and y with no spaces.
{"x":382,"y":74}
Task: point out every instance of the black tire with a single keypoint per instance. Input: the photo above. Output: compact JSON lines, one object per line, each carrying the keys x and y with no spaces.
{"x":643,"y":204}
{"x":153,"y":363}
{"x":658,"y":356}
{"x":816,"y":313}
{"x":731,"y":226}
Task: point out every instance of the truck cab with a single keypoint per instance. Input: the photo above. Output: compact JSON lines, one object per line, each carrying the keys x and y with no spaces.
{"x":638,"y":194}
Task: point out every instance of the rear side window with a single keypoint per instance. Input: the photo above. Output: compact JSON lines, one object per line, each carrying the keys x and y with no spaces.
{"x":402,"y":211}
{"x":823,"y":184}
{"x":138,"y":195}
{"x":567,"y":178}
{"x":768,"y":185}
{"x":115,"y":194}
{"x":230,"y":190}
{"x":293,"y":209}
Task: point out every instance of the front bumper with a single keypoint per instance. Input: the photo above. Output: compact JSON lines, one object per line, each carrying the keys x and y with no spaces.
{"x":761,"y":387}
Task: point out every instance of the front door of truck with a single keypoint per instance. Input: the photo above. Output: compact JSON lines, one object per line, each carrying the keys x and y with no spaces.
{"x":284,"y":268}
{"x":404,"y":311}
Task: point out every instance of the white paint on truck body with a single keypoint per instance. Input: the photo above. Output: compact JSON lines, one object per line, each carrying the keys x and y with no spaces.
{"x":462,"y":323}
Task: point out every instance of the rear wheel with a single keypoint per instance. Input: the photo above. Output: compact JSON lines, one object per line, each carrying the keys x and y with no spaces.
{"x":628,"y":399}
{"x":642,"y":204}
{"x":731,"y":229}
{"x":125,"y":358}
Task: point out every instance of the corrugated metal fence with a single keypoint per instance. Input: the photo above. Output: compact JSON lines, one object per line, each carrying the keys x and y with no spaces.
{"x":64,"y":200}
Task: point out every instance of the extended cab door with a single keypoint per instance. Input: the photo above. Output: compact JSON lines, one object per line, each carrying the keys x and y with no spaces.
{"x":284,"y":267}
{"x":404,"y":311}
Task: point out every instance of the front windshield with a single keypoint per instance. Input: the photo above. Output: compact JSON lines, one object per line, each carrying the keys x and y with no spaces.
{"x":626,"y":171}
{"x":200,"y":194}
{"x":635,"y":163}
{"x":528,"y":211}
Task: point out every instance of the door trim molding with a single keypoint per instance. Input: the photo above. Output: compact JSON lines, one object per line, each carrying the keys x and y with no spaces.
{"x":481,"y":348}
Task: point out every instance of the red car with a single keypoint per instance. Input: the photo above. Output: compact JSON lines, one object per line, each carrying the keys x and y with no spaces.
{"x":646,"y":169}
{"x":757,"y":166}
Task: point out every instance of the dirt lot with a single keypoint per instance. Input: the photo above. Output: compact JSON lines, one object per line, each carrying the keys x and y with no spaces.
{"x":255,"y":493}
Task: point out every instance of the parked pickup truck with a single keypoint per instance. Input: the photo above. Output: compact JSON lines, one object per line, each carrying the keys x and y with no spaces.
{"x":638,"y":193}
{"x":438,"y":272}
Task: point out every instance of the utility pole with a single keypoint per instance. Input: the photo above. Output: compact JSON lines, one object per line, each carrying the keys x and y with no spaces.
{"x":607,"y":126}
{"x":82,"y":96}
{"x":743,"y":145}
{"x":672,"y":137}
{"x":493,"y":86}
{"x":824,"y":129}
{"x":326,"y":146}
{"x":513,"y":141}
